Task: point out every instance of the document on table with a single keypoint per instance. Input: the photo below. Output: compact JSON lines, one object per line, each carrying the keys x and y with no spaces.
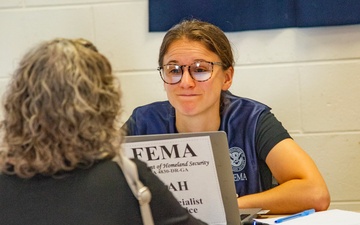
{"x":329,"y":217}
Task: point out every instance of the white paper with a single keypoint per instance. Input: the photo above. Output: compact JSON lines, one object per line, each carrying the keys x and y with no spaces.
{"x":329,"y":217}
{"x":187,"y":167}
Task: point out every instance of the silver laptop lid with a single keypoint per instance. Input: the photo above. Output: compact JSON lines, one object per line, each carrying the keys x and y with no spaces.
{"x":220,"y":150}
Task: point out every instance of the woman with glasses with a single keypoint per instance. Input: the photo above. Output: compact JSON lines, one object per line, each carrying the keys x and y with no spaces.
{"x":60,"y":135}
{"x":197,"y":66}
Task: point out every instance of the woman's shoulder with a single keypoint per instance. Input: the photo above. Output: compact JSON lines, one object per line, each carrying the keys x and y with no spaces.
{"x":154,"y":118}
{"x":234,"y":99}
{"x":234,"y":104}
{"x":141,"y":165}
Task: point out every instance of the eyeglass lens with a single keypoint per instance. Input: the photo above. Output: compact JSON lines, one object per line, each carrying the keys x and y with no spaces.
{"x":199,"y":71}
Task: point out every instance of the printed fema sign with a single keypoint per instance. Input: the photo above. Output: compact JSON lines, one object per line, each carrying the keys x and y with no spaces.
{"x":187,"y":167}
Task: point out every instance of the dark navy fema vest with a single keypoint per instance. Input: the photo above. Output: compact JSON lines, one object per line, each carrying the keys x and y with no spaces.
{"x":239,"y":117}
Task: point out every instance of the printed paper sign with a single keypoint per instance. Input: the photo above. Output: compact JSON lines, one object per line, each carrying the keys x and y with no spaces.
{"x":187,"y":167}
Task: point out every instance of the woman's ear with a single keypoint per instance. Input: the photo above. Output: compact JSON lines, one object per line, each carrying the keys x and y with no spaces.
{"x":229,"y":73}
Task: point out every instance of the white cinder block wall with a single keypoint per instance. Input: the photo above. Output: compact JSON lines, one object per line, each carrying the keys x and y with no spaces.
{"x":309,"y":76}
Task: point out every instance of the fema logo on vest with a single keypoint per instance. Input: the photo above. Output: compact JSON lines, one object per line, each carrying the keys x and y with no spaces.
{"x":238,"y":159}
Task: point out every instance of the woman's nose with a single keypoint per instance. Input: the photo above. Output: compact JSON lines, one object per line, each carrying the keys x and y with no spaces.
{"x":187,"y":80}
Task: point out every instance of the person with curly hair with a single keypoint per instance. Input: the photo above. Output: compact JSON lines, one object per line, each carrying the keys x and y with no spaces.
{"x":60,"y":133}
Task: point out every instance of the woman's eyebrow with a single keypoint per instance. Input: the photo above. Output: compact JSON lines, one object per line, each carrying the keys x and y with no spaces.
{"x":173,"y":61}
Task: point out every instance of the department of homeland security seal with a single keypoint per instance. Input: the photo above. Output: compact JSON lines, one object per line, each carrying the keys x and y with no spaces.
{"x":238,"y":159}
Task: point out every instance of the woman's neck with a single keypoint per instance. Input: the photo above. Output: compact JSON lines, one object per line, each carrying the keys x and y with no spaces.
{"x":186,"y":124}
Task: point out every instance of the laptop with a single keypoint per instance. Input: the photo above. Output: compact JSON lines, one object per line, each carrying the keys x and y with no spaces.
{"x":219,"y":144}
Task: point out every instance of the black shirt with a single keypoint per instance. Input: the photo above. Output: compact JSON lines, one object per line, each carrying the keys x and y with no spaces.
{"x":98,"y":196}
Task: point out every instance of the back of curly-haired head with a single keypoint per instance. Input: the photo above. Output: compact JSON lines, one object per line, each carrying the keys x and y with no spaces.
{"x":61,"y":110}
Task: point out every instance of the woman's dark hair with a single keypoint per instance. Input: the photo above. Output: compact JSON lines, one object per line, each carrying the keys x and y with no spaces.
{"x":213,"y":38}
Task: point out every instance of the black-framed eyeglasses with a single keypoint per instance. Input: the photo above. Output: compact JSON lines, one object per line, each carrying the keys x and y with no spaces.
{"x":199,"y":70}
